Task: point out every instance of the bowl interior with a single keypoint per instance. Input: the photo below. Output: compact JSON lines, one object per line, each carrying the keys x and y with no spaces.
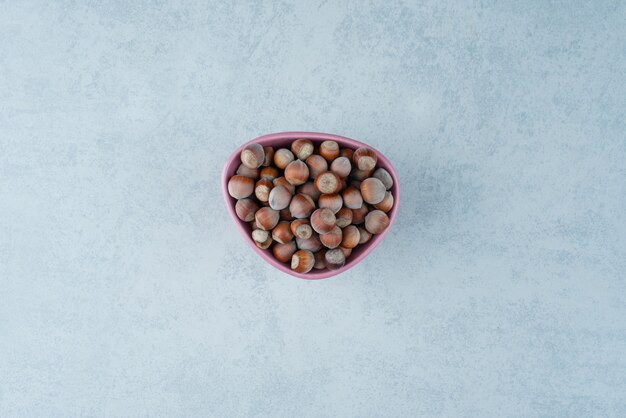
{"x":284,"y":139}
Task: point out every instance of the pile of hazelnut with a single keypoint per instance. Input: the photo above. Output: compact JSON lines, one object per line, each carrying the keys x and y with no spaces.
{"x":311,"y":205}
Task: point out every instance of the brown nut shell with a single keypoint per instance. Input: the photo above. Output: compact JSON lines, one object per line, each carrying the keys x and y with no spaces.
{"x":269,"y":156}
{"x":328,"y":183}
{"x":384,"y":176}
{"x":283,"y":252}
{"x":320,"y":259}
{"x":266,"y":218}
{"x":279,"y":198}
{"x":253,"y":155}
{"x":358,"y":215}
{"x":301,"y":228}
{"x":346,"y":152}
{"x":333,"y":238}
{"x":259,"y":235}
{"x":376,"y":221}
{"x":282,"y":232}
{"x":311,"y":244}
{"x":301,"y":206}
{"x":344,"y":217}
{"x":309,"y":188}
{"x":333,"y":202}
{"x":373,"y":190}
{"x":302,"y":148}
{"x":297,"y":172}
{"x":360,"y":175}
{"x":329,"y":150}
{"x":364,"y":235}
{"x":269,"y":173}
{"x":240,"y":187}
{"x":386,"y":204}
{"x":323,"y":220}
{"x":351,"y":237}
{"x":262,"y":189}
{"x":335,"y":259}
{"x":365,"y":158}
{"x":245,"y":209}
{"x":317,"y":165}
{"x":282,"y":158}
{"x":302,"y":261}
{"x":242,"y":170}
{"x":352,"y":198}
{"x":282,"y":181}
{"x":341,"y":166}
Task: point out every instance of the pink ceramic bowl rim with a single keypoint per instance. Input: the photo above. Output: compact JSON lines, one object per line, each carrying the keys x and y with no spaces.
{"x":269,"y":140}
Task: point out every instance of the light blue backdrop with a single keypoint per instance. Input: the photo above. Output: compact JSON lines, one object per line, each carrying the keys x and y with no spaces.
{"x":125,"y":290}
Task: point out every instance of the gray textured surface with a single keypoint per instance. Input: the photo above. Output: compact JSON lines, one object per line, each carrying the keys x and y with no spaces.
{"x":499,"y":292}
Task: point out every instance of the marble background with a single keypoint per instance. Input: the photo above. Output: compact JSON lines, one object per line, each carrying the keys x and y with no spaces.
{"x":126,"y":291}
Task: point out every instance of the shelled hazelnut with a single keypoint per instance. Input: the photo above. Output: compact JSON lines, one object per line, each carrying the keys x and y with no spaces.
{"x":311,"y":203}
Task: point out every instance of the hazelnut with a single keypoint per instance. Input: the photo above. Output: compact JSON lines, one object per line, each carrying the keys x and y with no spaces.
{"x":365,"y":158}
{"x":344,"y":217}
{"x":323,"y":220}
{"x":240,"y":186}
{"x":358,"y":215}
{"x":311,"y":244}
{"x":328,"y":183}
{"x":259,"y":235}
{"x":386,"y":204}
{"x":265,"y":244}
{"x":320,"y":260}
{"x":317,"y":165}
{"x":309,"y":188}
{"x":301,"y":206}
{"x":346,"y":251}
{"x":266,"y":218}
{"x":283,"y":252}
{"x":269,"y":156}
{"x":364,"y":235}
{"x":341,"y":166}
{"x":333,"y":202}
{"x":360,"y":175}
{"x":282,"y":158}
{"x":335,"y":259}
{"x":373,"y":190}
{"x":350,"y":238}
{"x":262,"y":189}
{"x":297,"y":172}
{"x":282,"y":181}
{"x":279,"y":198}
{"x":253,"y":173}
{"x":376,"y":221}
{"x":302,"y":148}
{"x":282,"y":232}
{"x":245,"y":209}
{"x":333,"y":238}
{"x":384,"y":176}
{"x":347,"y":152}
{"x":302,"y":261}
{"x":253,"y":155}
{"x":269,"y":173}
{"x":329,"y":150}
{"x":301,"y":228}
{"x":352,"y":198}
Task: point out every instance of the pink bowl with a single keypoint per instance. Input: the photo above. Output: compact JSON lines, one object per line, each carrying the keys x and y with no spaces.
{"x":284,"y":139}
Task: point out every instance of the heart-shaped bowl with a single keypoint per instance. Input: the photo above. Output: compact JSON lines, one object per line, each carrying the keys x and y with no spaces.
{"x":284,"y":139}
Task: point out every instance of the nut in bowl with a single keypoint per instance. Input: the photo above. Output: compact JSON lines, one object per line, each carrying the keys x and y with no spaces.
{"x":312,"y":205}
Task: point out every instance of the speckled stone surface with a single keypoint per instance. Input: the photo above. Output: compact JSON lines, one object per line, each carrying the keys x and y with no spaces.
{"x":125,"y":290}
